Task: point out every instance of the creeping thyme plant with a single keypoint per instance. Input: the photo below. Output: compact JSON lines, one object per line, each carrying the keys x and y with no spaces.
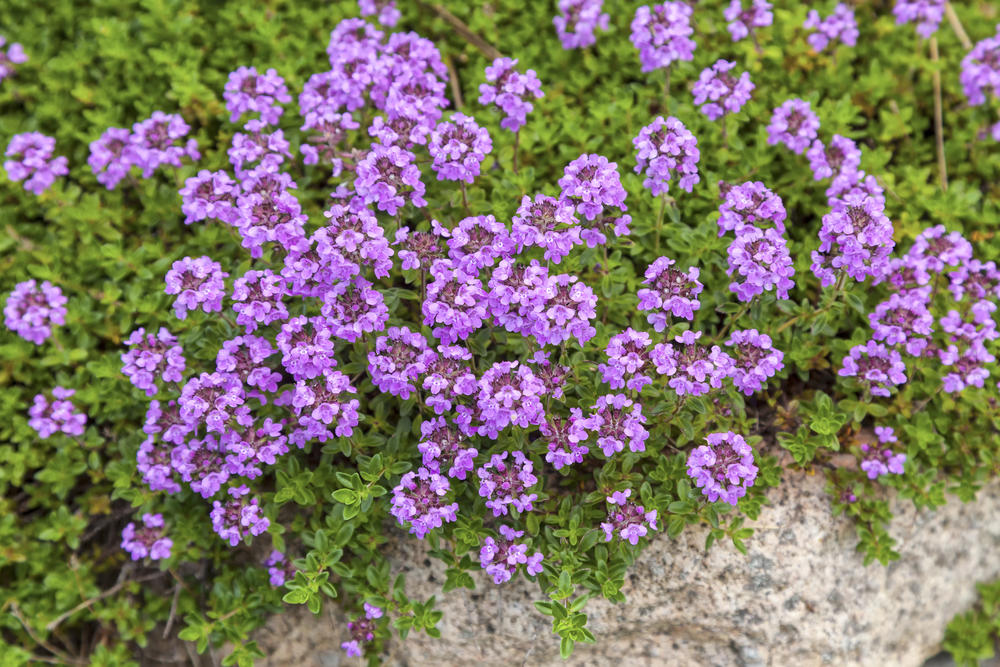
{"x":290,"y":285}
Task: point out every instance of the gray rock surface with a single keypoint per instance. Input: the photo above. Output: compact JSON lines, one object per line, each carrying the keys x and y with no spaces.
{"x":801,"y":597}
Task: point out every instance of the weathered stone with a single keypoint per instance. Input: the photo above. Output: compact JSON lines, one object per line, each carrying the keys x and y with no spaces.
{"x":800,"y":597}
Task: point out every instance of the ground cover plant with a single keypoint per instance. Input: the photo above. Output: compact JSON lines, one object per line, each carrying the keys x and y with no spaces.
{"x":288,"y":284}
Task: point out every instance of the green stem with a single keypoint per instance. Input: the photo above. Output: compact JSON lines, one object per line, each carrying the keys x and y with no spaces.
{"x":659,"y":223}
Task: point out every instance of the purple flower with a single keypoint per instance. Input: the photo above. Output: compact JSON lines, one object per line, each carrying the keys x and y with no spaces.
{"x":628,"y":361}
{"x":354,"y":308}
{"x":326,"y":400}
{"x":384,"y":11}
{"x":744,"y":21}
{"x":267,"y":211}
{"x":210,"y":194}
{"x":306,"y":347}
{"x":927,"y":14}
{"x":399,"y":359}
{"x":362,"y":630}
{"x":662,"y":34}
{"x":32,"y":160}
{"x":724,"y":468}
{"x":794,"y":124}
{"x":449,"y":377}
{"x":443,"y":446}
{"x":455,"y":304}
{"x":592,"y":182}
{"x":577,"y":21}
{"x":197,"y":282}
{"x":564,"y":437}
{"x":237,"y":517}
{"x":903,"y":320}
{"x":761,"y":262}
{"x":876,"y":367}
{"x":509,"y":393}
{"x":877,"y":461}
{"x":211,"y":399}
{"x":663,"y":148}
{"x":501,"y":558}
{"x":477,"y":242}
{"x":755,"y":360}
{"x":458,"y":148}
{"x":244,"y":356}
{"x":977,"y":279}
{"x":506,"y":484}
{"x":280,"y":568}
{"x":855,"y":240}
{"x":107,"y":157}
{"x":839,"y":160}
{"x":149,"y":540}
{"x":384,"y":175}
{"x":48,"y":418}
{"x":940,"y":248}
{"x":14,"y":55}
{"x":248,"y":91}
{"x":749,"y":204}
{"x":626,"y":519}
{"x":510,"y":91}
{"x":257,"y":146}
{"x":719,"y":93}
{"x":966,"y":364}
{"x":692,"y":368}
{"x":150,"y":356}
{"x":548,"y":223}
{"x":419,"y":499}
{"x":838,"y":25}
{"x":258,"y":299}
{"x":564,"y":311}
{"x":981,"y":70}
{"x":32,"y":310}
{"x":354,"y":234}
{"x":617,"y":420}
{"x":419,"y":250}
{"x":670,"y":291}
{"x":152,"y":143}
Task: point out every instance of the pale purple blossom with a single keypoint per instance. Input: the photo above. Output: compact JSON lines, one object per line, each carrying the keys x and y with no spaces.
{"x":147,"y":540}
{"x":578,"y":20}
{"x":718,"y":92}
{"x":501,"y":558}
{"x":662,"y":34}
{"x":31,"y":161}
{"x":627,"y":520}
{"x":840,"y":25}
{"x":794,"y":124}
{"x":55,"y":416}
{"x":724,"y":468}
{"x":510,"y":91}
{"x":663,"y":149}
{"x":32,"y":310}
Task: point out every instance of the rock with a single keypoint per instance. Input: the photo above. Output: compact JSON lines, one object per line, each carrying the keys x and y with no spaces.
{"x":800,"y":597}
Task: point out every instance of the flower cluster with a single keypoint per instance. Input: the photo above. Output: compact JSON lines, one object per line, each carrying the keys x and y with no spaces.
{"x":31,"y":161}
{"x":279,"y":568}
{"x":151,"y":357}
{"x":617,"y":420}
{"x":840,"y":160}
{"x":880,"y":460}
{"x":501,"y":558}
{"x":505,"y":483}
{"x":719,"y":92}
{"x":628,"y":364}
{"x":419,"y":499}
{"x":761,"y":262}
{"x":238,"y":517}
{"x":13,"y":55}
{"x":840,"y":25}
{"x":662,"y":34}
{"x":510,"y":91}
{"x":724,"y":468}
{"x":151,"y":144}
{"x":247,"y":91}
{"x":58,"y":415}
{"x":197,"y":283}
{"x":626,"y":519}
{"x":577,"y":21}
{"x":744,"y":21}
{"x":751,"y":203}
{"x":877,"y":367}
{"x":755,"y":360}
{"x":926,"y":13}
{"x":794,"y":124}
{"x":548,"y":223}
{"x":384,"y":11}
{"x":670,"y":291}
{"x":693,"y":369}
{"x":981,"y":70}
{"x":444,"y":445}
{"x":32,"y":310}
{"x":665,"y":147}
{"x":458,"y":148}
{"x":855,"y":240}
{"x":361,"y":629}
{"x":149,"y":540}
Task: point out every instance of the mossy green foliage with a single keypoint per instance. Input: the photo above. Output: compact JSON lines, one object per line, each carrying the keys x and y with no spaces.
{"x":68,"y":593}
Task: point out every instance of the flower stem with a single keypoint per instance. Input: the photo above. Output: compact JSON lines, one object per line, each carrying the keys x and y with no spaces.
{"x":938,"y":116}
{"x":659,"y":222}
